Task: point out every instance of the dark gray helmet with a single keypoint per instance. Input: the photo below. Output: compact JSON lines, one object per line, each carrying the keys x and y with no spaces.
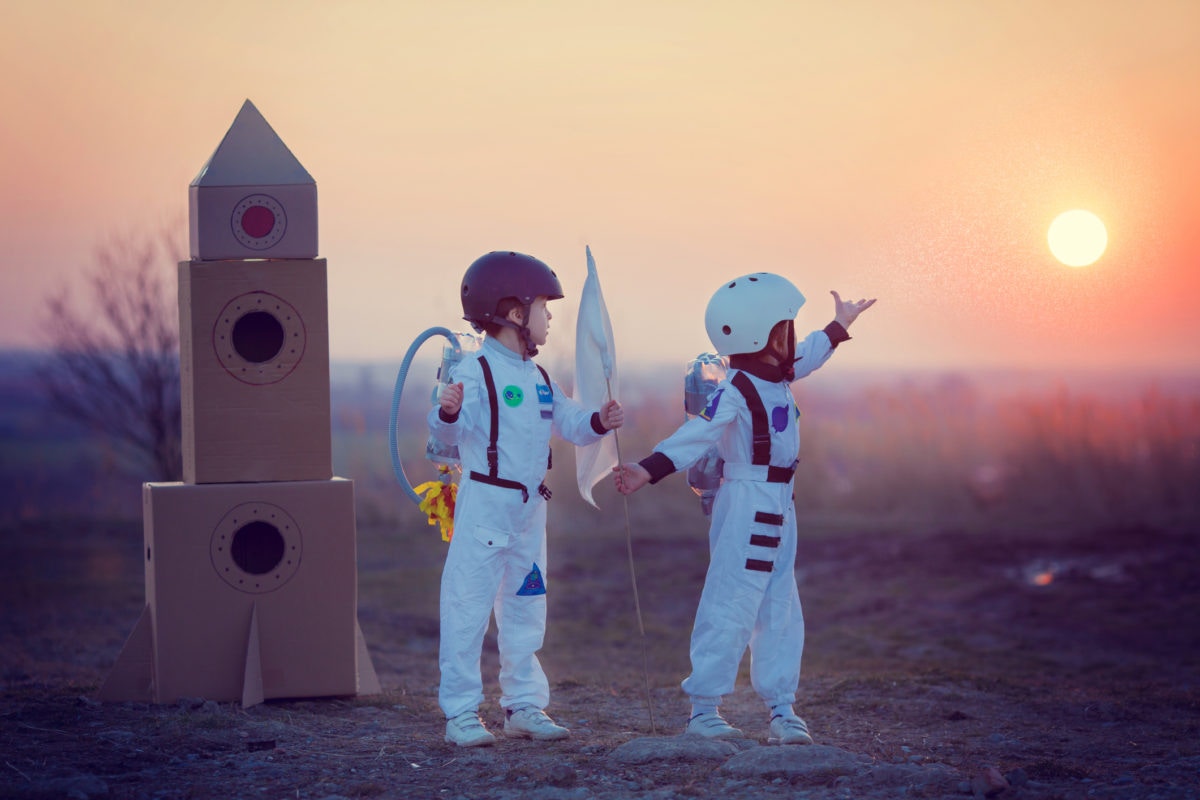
{"x":501,"y":274}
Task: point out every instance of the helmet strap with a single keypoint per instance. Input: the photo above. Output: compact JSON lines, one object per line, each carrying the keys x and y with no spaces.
{"x":527,"y":345}
{"x":780,"y":356}
{"x":787,"y":359}
{"x":530,"y":348}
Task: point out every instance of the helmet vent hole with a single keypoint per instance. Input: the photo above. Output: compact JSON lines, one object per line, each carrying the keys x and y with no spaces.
{"x":733,"y":284}
{"x":725,"y":329}
{"x":753,"y":278}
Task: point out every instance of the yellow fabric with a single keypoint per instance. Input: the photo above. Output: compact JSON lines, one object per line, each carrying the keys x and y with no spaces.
{"x":438,"y":502}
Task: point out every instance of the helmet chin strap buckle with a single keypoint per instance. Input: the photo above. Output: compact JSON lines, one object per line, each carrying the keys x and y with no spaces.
{"x":530,"y":349}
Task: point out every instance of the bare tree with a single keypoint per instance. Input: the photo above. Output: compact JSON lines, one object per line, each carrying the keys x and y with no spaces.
{"x":114,"y":365}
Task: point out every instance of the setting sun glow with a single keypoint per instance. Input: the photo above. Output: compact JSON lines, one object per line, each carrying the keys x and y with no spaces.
{"x":1077,"y":238}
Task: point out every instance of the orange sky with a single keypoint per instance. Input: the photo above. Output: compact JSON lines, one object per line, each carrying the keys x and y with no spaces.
{"x":912,"y":151}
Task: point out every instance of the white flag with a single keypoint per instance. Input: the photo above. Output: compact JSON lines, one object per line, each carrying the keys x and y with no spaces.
{"x":595,"y":378}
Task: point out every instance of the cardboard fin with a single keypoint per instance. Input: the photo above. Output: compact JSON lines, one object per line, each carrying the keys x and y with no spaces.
{"x":252,"y":680}
{"x":368,"y":680}
{"x":132,"y":677}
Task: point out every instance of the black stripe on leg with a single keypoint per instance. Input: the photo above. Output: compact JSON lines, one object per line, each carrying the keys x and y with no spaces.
{"x":769,"y":519}
{"x":758,"y":565}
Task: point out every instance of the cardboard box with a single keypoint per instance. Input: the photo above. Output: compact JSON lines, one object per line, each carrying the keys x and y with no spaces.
{"x":254,"y":368}
{"x":251,"y":594}
{"x":253,"y":198}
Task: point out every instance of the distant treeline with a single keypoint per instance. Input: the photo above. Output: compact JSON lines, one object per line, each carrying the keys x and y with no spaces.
{"x":879,"y":451}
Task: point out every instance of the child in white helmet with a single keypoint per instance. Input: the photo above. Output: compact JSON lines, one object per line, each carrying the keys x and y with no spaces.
{"x":749,"y":596}
{"x":501,"y":410}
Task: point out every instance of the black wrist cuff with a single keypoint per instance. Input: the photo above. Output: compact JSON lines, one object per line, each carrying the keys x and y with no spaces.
{"x":658,"y":465}
{"x":836,"y":333}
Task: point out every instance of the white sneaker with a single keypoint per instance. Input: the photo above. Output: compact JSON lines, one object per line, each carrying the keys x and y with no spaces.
{"x":467,"y":730}
{"x":712,"y":725}
{"x":533,"y":723}
{"x":790,"y":730}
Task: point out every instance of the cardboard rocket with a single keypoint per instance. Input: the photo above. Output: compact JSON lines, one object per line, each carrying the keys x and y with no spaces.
{"x":250,"y":564}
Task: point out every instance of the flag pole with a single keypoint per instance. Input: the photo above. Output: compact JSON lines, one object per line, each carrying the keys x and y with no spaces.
{"x":637,"y":603}
{"x":602,"y":338}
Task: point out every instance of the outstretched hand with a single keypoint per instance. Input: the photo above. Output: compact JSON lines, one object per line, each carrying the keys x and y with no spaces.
{"x":846,"y":311}
{"x":628,"y":478}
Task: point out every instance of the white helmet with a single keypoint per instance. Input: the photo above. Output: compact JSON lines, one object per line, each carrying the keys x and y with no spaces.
{"x":741,"y":314}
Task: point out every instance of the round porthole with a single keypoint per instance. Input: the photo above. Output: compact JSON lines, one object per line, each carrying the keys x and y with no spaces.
{"x":259,"y":338}
{"x":256,"y":548}
{"x":259,"y":221}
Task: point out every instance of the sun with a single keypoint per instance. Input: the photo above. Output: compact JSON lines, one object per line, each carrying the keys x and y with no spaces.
{"x":1077,"y":238}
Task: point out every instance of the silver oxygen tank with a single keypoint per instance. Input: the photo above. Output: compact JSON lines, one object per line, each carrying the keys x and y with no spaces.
{"x":435,"y":451}
{"x":704,"y":374}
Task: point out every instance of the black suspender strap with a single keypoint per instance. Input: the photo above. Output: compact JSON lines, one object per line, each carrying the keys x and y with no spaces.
{"x":493,"y":452}
{"x":549,"y":453}
{"x":760,"y":427}
{"x":761,"y":456}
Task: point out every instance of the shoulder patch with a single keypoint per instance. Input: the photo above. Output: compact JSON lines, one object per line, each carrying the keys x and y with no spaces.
{"x":713,"y":402}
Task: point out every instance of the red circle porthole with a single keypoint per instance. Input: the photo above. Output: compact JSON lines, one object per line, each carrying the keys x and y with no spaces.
{"x":259,"y":221}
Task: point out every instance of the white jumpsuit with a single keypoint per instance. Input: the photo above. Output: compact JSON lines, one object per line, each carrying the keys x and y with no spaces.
{"x":497,"y":557}
{"x":750,"y":596}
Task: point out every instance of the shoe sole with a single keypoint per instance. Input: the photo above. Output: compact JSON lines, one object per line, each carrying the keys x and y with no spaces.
{"x":542,"y":737}
{"x":773,"y":740}
{"x":479,"y":743}
{"x":733,"y":735}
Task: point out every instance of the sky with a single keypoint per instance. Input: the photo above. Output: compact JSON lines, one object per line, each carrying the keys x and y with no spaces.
{"x":911,"y":151}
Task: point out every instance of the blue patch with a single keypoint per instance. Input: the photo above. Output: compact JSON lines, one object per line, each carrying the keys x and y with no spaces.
{"x":779,"y":418}
{"x":713,"y":401}
{"x":533,"y":584}
{"x":544,"y":394}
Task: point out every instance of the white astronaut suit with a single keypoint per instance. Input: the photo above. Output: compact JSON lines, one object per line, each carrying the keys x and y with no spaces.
{"x":750,"y":596}
{"x":497,"y":558}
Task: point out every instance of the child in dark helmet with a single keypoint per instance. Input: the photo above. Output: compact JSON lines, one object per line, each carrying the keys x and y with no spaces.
{"x":750,"y":597}
{"x":500,"y":410}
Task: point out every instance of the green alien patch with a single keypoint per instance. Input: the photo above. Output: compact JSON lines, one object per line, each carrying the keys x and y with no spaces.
{"x":513,"y":396}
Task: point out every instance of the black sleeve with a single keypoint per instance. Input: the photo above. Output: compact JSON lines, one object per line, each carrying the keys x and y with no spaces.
{"x":836,"y":333}
{"x":658,"y":465}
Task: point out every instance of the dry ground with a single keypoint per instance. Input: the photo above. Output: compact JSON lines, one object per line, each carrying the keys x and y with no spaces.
{"x":1069,"y":663}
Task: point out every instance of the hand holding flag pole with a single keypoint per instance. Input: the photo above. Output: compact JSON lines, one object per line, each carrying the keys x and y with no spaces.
{"x":596,"y":384}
